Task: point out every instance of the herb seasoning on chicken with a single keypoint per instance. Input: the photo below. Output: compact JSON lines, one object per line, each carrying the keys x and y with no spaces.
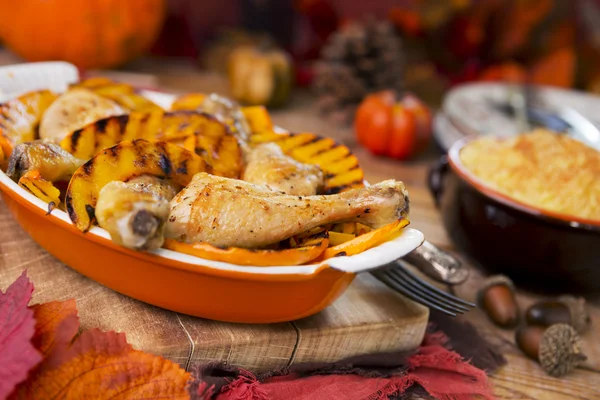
{"x":230,"y":212}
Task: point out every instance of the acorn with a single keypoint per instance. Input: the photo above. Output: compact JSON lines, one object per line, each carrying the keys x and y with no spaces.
{"x":497,"y":298}
{"x":557,"y":348}
{"x":564,"y":310}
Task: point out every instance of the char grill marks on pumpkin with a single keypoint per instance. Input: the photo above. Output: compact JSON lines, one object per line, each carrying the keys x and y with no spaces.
{"x":91,"y":212}
{"x":182,"y":167}
{"x":75,"y":139}
{"x":165,"y":164}
{"x":207,"y":136}
{"x":157,"y":159}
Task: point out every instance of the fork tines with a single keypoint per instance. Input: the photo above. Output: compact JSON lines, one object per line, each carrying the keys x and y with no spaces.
{"x":399,"y":278}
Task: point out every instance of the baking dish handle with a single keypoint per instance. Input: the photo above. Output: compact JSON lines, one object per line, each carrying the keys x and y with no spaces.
{"x":438,"y":264}
{"x":435,"y":179}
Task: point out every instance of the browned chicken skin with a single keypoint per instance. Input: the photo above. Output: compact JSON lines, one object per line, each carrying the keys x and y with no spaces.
{"x":230,"y":212}
{"x":134,"y":212}
{"x":267,"y":165}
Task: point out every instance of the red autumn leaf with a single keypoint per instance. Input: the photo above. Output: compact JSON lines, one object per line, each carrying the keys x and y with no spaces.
{"x":17,"y":325}
{"x":48,"y":329}
{"x":104,"y":364}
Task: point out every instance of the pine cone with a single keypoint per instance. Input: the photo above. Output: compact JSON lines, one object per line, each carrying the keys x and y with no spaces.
{"x":357,"y":60}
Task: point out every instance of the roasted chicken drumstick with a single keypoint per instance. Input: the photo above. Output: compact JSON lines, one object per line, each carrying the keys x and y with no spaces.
{"x":134,"y":212}
{"x":230,"y":212}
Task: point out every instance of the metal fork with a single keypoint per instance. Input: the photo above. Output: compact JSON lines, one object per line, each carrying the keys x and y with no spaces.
{"x":400,"y":279}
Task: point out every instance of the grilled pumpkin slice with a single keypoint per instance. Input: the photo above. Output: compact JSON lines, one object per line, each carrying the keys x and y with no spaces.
{"x":20,"y":118}
{"x":218,"y":148}
{"x":308,"y":248}
{"x":257,"y":117}
{"x":123,"y":94}
{"x":122,"y":162}
{"x":365,"y":241}
{"x":340,"y":167}
{"x":189,"y":102}
{"x":208,"y":137}
{"x":34,"y":183}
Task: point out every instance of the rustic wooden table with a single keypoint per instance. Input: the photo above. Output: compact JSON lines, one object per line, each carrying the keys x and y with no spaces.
{"x":520,"y":379}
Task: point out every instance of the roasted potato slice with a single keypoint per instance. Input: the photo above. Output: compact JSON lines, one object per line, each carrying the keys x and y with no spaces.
{"x":337,"y":162}
{"x":307,"y":250}
{"x":123,"y":94}
{"x":127,"y":160}
{"x":20,"y":118}
{"x":73,"y":110}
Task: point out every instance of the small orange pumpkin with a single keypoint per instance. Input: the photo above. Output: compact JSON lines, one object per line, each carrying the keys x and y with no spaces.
{"x":89,"y":34}
{"x":393,"y":127}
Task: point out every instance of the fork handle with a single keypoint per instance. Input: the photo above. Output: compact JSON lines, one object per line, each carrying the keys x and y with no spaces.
{"x":438,"y":264}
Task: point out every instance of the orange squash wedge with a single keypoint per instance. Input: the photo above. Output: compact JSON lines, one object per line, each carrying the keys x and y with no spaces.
{"x":33,"y":182}
{"x":337,"y":238}
{"x":190,"y":101}
{"x":122,"y":162}
{"x":258,"y":118}
{"x":366,"y":241}
{"x":308,"y":251}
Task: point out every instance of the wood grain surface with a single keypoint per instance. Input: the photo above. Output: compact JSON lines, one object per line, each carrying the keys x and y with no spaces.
{"x":366,"y":307}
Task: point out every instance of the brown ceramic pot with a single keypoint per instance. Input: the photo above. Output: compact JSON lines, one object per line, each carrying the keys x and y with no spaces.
{"x":537,"y":249}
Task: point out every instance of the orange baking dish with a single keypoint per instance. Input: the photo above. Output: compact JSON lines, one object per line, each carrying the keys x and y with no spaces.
{"x":180,"y":282}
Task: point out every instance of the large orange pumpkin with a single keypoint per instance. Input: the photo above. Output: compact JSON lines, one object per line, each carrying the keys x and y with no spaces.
{"x":87,"y":33}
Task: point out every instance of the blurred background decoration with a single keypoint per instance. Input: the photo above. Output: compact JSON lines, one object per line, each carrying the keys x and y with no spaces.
{"x":260,"y":75}
{"x":432,"y":44}
{"x":342,"y":50}
{"x":98,"y":34}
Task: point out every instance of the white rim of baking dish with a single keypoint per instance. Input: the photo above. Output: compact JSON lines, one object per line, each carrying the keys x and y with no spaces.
{"x":385,"y":253}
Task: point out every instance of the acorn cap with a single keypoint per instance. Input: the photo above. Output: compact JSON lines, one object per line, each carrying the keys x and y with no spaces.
{"x":580,"y":317}
{"x":494,"y":280}
{"x":560,"y":350}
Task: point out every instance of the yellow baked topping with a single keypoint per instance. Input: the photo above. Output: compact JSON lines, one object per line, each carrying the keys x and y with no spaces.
{"x":542,"y":169}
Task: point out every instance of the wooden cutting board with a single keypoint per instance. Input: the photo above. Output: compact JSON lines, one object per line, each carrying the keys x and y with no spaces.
{"x":367,"y":318}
